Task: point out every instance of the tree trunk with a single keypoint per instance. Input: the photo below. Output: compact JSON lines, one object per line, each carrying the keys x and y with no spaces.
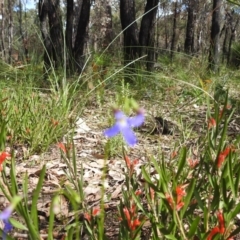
{"x":232,"y":37}
{"x":173,"y":43}
{"x":226,"y":30}
{"x":3,"y":49}
{"x":10,"y":31}
{"x":129,"y":26}
{"x":76,"y":11}
{"x":138,"y":44}
{"x":146,"y":34}
{"x":51,"y":28}
{"x":103,"y":32}
{"x":69,"y":32}
{"x":215,"y":36}
{"x":24,"y":40}
{"x":52,"y":32}
{"x":189,"y":40}
{"x":43,"y":17}
{"x":81,"y":35}
{"x":56,"y":32}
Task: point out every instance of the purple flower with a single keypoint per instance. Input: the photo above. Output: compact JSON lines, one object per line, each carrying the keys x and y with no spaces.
{"x":4,"y":216}
{"x":124,"y":126}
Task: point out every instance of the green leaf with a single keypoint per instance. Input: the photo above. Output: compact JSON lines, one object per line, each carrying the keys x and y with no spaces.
{"x":146,"y":176}
{"x":211,"y":181}
{"x":224,"y":191}
{"x":163,"y":169}
{"x":199,"y":200}
{"x":70,"y":232}
{"x":7,"y":236}
{"x":170,"y":237}
{"x":230,"y":174}
{"x":189,"y":196}
{"x":223,"y":135}
{"x":181,"y":163}
{"x":140,"y":206}
{"x":216,"y":198}
{"x":54,"y":204}
{"x":234,"y":2}
{"x":156,"y":166}
{"x":34,"y":214}
{"x":237,"y":175}
{"x":161,"y":195}
{"x":14,"y":188}
{"x":3,"y":136}
{"x":17,"y":224}
{"x":232,"y":214}
{"x":205,"y":215}
{"x":193,"y":227}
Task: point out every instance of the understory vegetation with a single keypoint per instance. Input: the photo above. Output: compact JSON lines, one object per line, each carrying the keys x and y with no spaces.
{"x":65,"y":175}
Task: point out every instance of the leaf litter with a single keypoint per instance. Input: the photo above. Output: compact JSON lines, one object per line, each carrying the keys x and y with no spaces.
{"x":89,"y":142}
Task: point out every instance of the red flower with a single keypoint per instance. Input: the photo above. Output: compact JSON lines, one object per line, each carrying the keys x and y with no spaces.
{"x":221,"y":222}
{"x":62,"y":147}
{"x":222,"y":156}
{"x":127,"y":214}
{"x":213,"y":233}
{"x":179,"y":206}
{"x":135,"y":224}
{"x":152,"y":193}
{"x":130,"y":164}
{"x":169,"y":199}
{"x":54,"y":122}
{"x":218,"y":229}
{"x":87,"y":216}
{"x":28,"y":131}
{"x":192,"y":163}
{"x":211,"y":123}
{"x":138,"y":192}
{"x":128,"y":161}
{"x":173,"y":154}
{"x":3,"y":157}
{"x":130,"y":215}
{"x":180,"y":193}
{"x":133,"y":210}
{"x":95,"y":211}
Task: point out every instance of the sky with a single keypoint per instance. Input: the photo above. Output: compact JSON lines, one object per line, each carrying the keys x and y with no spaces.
{"x":30,"y":4}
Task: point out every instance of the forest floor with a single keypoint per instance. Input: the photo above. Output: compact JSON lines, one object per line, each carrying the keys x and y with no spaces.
{"x":177,"y":96}
{"x":186,"y":117}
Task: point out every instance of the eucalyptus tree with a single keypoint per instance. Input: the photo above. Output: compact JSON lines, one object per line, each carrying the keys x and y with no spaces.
{"x":192,"y":6}
{"x":138,"y":43}
{"x":2,"y":14}
{"x":215,"y":36}
{"x":52,"y":33}
{"x":52,"y":29}
{"x":101,"y":25}
{"x":9,"y":17}
{"x":176,"y":12}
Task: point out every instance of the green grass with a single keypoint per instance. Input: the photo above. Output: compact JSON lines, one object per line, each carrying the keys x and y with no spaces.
{"x":38,"y":117}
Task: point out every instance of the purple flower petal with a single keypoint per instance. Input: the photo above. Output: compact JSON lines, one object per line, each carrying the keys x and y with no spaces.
{"x":7,"y":226}
{"x":124,"y":125}
{"x":4,"y":216}
{"x":119,"y":115}
{"x":136,"y":121}
{"x":6,"y":213}
{"x":111,"y":132}
{"x":129,"y":136}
